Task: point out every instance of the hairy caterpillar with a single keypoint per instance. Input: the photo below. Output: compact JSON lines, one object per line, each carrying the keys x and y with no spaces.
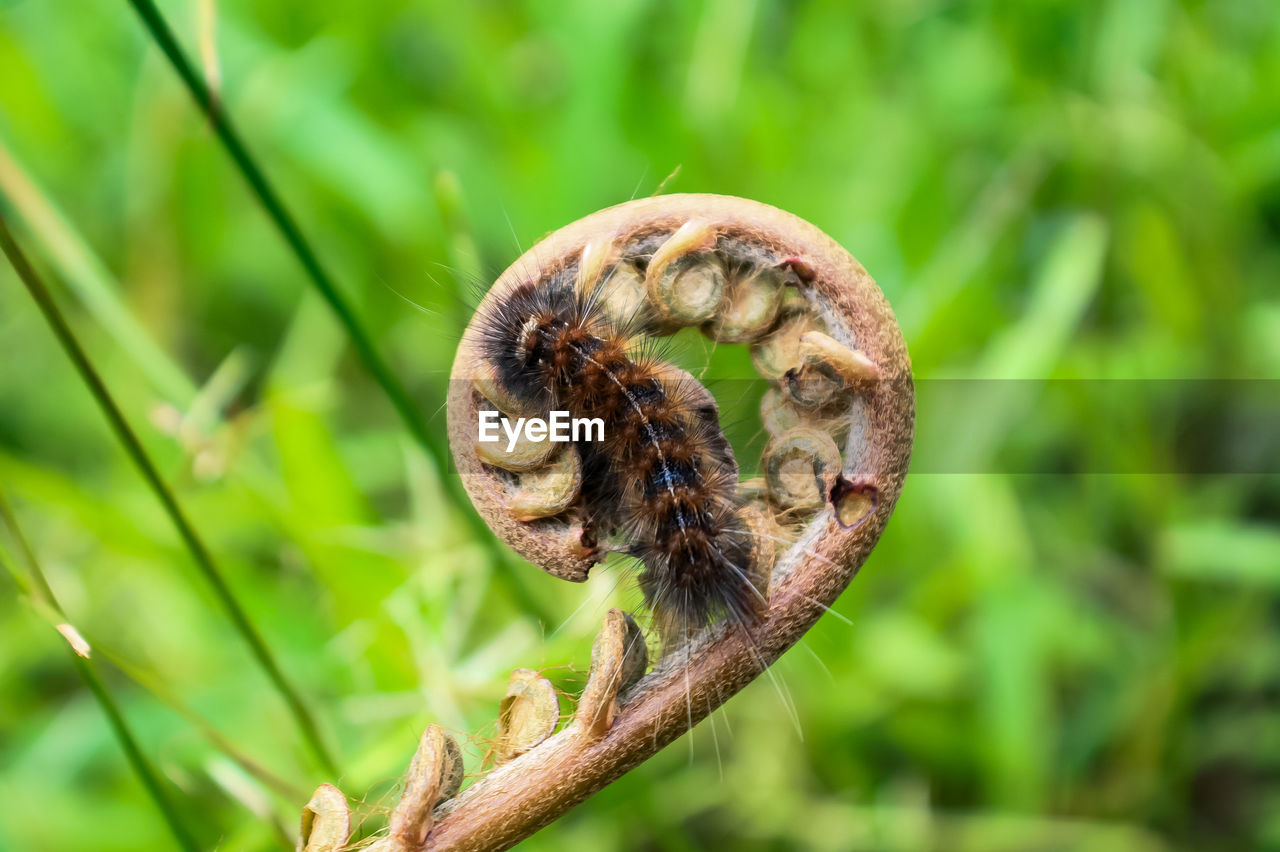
{"x":566,"y":331}
{"x":662,"y":479}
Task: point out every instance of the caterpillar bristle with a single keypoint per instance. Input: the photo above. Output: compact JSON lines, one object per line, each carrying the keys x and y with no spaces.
{"x":663,"y":481}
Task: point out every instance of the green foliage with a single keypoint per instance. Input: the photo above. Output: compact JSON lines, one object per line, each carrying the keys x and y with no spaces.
{"x":1066,"y":639}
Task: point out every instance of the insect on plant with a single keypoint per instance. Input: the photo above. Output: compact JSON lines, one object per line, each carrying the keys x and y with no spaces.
{"x":733,"y":571}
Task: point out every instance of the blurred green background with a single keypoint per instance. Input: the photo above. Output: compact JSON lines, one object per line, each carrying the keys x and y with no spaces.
{"x":1039,"y":656}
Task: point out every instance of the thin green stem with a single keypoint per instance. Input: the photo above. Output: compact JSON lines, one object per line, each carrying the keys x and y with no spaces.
{"x":285,"y":789}
{"x":434,"y":446}
{"x":47,"y":605}
{"x":88,"y":278}
{"x":41,"y":589}
{"x":199,"y":552}
{"x":284,"y":221}
{"x":142,"y":767}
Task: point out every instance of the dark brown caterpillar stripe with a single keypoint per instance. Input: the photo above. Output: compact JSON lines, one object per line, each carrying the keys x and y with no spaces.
{"x":661,"y":480}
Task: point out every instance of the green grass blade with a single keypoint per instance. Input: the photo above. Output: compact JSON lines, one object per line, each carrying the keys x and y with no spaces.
{"x":142,"y":767}
{"x":284,"y":221}
{"x":89,"y":278}
{"x":39,"y":584}
{"x":435,"y":447}
{"x":195,"y":545}
{"x":283,"y":788}
{"x":46,"y":604}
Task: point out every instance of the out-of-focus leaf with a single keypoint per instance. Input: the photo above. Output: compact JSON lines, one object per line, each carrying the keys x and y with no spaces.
{"x":1223,"y":552}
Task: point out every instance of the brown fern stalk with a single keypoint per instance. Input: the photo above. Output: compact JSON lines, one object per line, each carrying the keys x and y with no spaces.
{"x":842,"y":427}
